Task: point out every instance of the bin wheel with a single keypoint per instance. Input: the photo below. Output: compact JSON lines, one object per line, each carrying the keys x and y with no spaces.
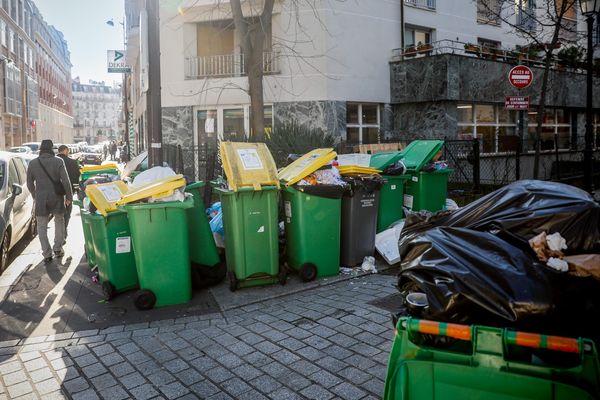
{"x":108,"y":290}
{"x":282,"y":275}
{"x":145,"y":300}
{"x":232,"y":281}
{"x":308,"y":272}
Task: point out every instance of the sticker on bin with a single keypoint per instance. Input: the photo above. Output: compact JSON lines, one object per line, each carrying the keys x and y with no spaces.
{"x":250,"y":159}
{"x":288,"y":209}
{"x":369,"y":201}
{"x":408,"y":201}
{"x":123,"y":245}
{"x":261,"y":229}
{"x":393,"y":187}
{"x":111,"y":193}
{"x":415,"y":179}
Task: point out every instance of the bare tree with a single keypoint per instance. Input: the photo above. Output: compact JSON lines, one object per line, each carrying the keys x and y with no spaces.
{"x":542,"y":25}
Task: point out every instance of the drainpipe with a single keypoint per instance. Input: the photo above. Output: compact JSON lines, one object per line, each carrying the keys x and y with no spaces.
{"x":402,"y":24}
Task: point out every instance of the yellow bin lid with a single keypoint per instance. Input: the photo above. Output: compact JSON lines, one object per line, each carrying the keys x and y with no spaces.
{"x":161,"y":188}
{"x":354,"y":169}
{"x":91,"y":168}
{"x":306,"y":165}
{"x":248,"y":164}
{"x":105,"y":195}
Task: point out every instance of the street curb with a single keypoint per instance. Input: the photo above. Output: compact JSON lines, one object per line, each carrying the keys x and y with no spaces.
{"x":305,"y":288}
{"x":6,"y":290}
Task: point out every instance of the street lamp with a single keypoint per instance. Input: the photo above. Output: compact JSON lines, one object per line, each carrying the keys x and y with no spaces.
{"x":589,"y":8}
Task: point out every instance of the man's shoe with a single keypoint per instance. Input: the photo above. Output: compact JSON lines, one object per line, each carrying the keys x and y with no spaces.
{"x":48,"y":260}
{"x":59,"y":254}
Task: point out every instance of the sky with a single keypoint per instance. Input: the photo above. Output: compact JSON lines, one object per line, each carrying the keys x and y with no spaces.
{"x":83,"y":22}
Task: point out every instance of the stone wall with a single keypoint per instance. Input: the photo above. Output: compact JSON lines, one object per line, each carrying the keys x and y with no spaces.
{"x":450,"y":77}
{"x":178,"y":126}
{"x":425,"y":120}
{"x":329,"y":116}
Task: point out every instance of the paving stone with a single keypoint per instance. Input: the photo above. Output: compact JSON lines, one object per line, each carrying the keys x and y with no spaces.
{"x":94,"y":370}
{"x":296,"y":381}
{"x":47,"y":386}
{"x":76,"y":385}
{"x":285,"y":357}
{"x":241,"y":349}
{"x":283,"y":325}
{"x":89,"y":332}
{"x":86,"y":395}
{"x":68,"y":373}
{"x":144,"y":392}
{"x":311,"y":353}
{"x":145,"y":332}
{"x":137,"y":357}
{"x":348,"y":329}
{"x":348,"y":391}
{"x":114,"y":393}
{"x":275,"y":335}
{"x":374,"y":386}
{"x":34,"y":364}
{"x":259,"y":327}
{"x":122,"y":369}
{"x":112,"y":329}
{"x":365,"y":350}
{"x":92,"y":339}
{"x":11,"y":367}
{"x":285,"y":394}
{"x":220,"y":396}
{"x":338,"y":352}
{"x":317,"y":342}
{"x":174,"y":390}
{"x":203,"y":363}
{"x":218,"y":374}
{"x":148,"y":368}
{"x":291,"y":344}
{"x":189,"y":376}
{"x":235,"y":386}
{"x":85,"y":360}
{"x":251,"y":395}
{"x":267,"y":347}
{"x":323,"y":331}
{"x":103,"y":381}
{"x":360,"y":362}
{"x":276,"y":370}
{"x":111,"y":359}
{"x":330,"y":322}
{"x":14,"y":377}
{"x":325,"y":378}
{"x":247,"y":372}
{"x":132,"y":380}
{"x":316,"y":392}
{"x":160,"y":378}
{"x":177,"y":344}
{"x":190,"y":353}
{"x":40,"y":375}
{"x":265,"y":384}
{"x":304,"y":367}
{"x":128,"y":348}
{"x":258,"y":359}
{"x":298,"y":333}
{"x":175,"y":366}
{"x":230,"y":360}
{"x":354,"y":375}
{"x":331,"y":364}
{"x":31,"y":355}
{"x":344,"y":340}
{"x":204,"y":389}
{"x":251,"y":338}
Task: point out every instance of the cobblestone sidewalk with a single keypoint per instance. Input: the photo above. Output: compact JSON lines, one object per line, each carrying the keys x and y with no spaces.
{"x":320,"y":344}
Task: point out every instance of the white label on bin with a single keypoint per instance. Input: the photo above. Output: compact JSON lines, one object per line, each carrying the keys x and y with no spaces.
{"x":111,"y":193}
{"x":393,"y":187}
{"x":123,"y":245}
{"x":288,"y":209}
{"x":261,"y":229}
{"x":415,"y":179}
{"x":408,"y":201}
{"x":250,"y":159}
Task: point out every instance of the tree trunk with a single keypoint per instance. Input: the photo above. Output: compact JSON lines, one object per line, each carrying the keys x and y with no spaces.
{"x":251,"y":34}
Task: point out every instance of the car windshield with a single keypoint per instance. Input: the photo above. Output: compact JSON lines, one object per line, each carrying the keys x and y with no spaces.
{"x":91,"y":150}
{"x":33,"y":146}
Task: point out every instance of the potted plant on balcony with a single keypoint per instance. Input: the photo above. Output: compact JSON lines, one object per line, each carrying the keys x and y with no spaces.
{"x":472,"y":48}
{"x":424,"y":48}
{"x":410,"y":51}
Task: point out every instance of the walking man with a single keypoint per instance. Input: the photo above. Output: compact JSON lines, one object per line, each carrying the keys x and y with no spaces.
{"x":73,"y":172}
{"x":49,"y":184}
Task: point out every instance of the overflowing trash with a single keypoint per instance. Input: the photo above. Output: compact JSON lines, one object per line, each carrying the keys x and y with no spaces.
{"x":476,"y":264}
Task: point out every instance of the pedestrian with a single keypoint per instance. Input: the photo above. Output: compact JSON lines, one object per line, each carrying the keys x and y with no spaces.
{"x":49,"y":184}
{"x":113,"y":150}
{"x":105,"y":150}
{"x":72,"y":167}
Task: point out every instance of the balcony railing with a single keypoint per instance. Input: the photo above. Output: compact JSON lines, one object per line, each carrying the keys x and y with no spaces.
{"x":226,"y":65}
{"x":427,"y":4}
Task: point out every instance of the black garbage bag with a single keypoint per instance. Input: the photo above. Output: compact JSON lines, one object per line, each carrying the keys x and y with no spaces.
{"x":363,"y":183}
{"x":322,"y":190}
{"x":524,"y":208}
{"x":476,"y":267}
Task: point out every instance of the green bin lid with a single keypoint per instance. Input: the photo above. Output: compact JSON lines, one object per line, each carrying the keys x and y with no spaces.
{"x":195,"y":185}
{"x":384,"y":159}
{"x":420,"y":152}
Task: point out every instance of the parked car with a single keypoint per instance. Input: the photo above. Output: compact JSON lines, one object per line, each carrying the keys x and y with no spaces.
{"x":20,"y":149}
{"x":16,"y":204}
{"x":34,"y":146}
{"x":91,"y":155}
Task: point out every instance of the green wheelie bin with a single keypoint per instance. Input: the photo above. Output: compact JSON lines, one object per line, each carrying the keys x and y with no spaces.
{"x":251,"y":236}
{"x":87,"y":236}
{"x":114,"y":254}
{"x":203,"y":249}
{"x":160,"y":240}
{"x":312,"y":229}
{"x":437,"y":360}
{"x":391,"y":201}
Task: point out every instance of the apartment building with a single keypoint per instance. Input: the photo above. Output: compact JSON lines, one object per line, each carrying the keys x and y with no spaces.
{"x":362,"y":71}
{"x":35,"y":65}
{"x":97,"y":111}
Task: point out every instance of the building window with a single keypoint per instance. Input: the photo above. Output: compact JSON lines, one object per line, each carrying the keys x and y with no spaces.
{"x":32,"y":98}
{"x":362,"y":123}
{"x":417,"y":36}
{"x":427,"y":4}
{"x":12,"y":90}
{"x":526,"y":14}
{"x":556,"y":127}
{"x":488,"y":12}
{"x":492,"y":124}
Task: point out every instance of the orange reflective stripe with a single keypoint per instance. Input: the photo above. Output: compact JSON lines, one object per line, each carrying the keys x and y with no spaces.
{"x":430,"y":327}
{"x":528,"y":339}
{"x":461,"y":332}
{"x":558,"y":343}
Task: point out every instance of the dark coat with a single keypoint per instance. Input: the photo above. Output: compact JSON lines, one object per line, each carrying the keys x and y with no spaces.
{"x":72,"y":167}
{"x":42,"y":189}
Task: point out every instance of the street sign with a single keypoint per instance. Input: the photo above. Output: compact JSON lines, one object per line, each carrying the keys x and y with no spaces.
{"x":516,"y":103}
{"x":116,"y":62}
{"x":520,"y":76}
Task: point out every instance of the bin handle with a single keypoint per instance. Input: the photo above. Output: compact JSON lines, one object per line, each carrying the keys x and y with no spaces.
{"x":455,"y":331}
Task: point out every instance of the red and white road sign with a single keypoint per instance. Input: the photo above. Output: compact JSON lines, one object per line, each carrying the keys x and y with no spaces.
{"x":516,"y":103}
{"x":520,"y":76}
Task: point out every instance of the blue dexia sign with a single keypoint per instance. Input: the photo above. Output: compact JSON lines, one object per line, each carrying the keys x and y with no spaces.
{"x":116,"y":62}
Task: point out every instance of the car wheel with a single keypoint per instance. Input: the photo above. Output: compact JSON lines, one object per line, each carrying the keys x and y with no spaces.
{"x":4,"y":249}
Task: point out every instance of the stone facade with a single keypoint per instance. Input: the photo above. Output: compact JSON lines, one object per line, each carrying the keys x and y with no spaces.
{"x":329,"y":116}
{"x":178,"y":126}
{"x":424,"y":120}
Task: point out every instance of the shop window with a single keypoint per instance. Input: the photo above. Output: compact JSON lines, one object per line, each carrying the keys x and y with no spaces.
{"x":494,"y":126}
{"x":362,"y":123}
{"x":556,"y":129}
